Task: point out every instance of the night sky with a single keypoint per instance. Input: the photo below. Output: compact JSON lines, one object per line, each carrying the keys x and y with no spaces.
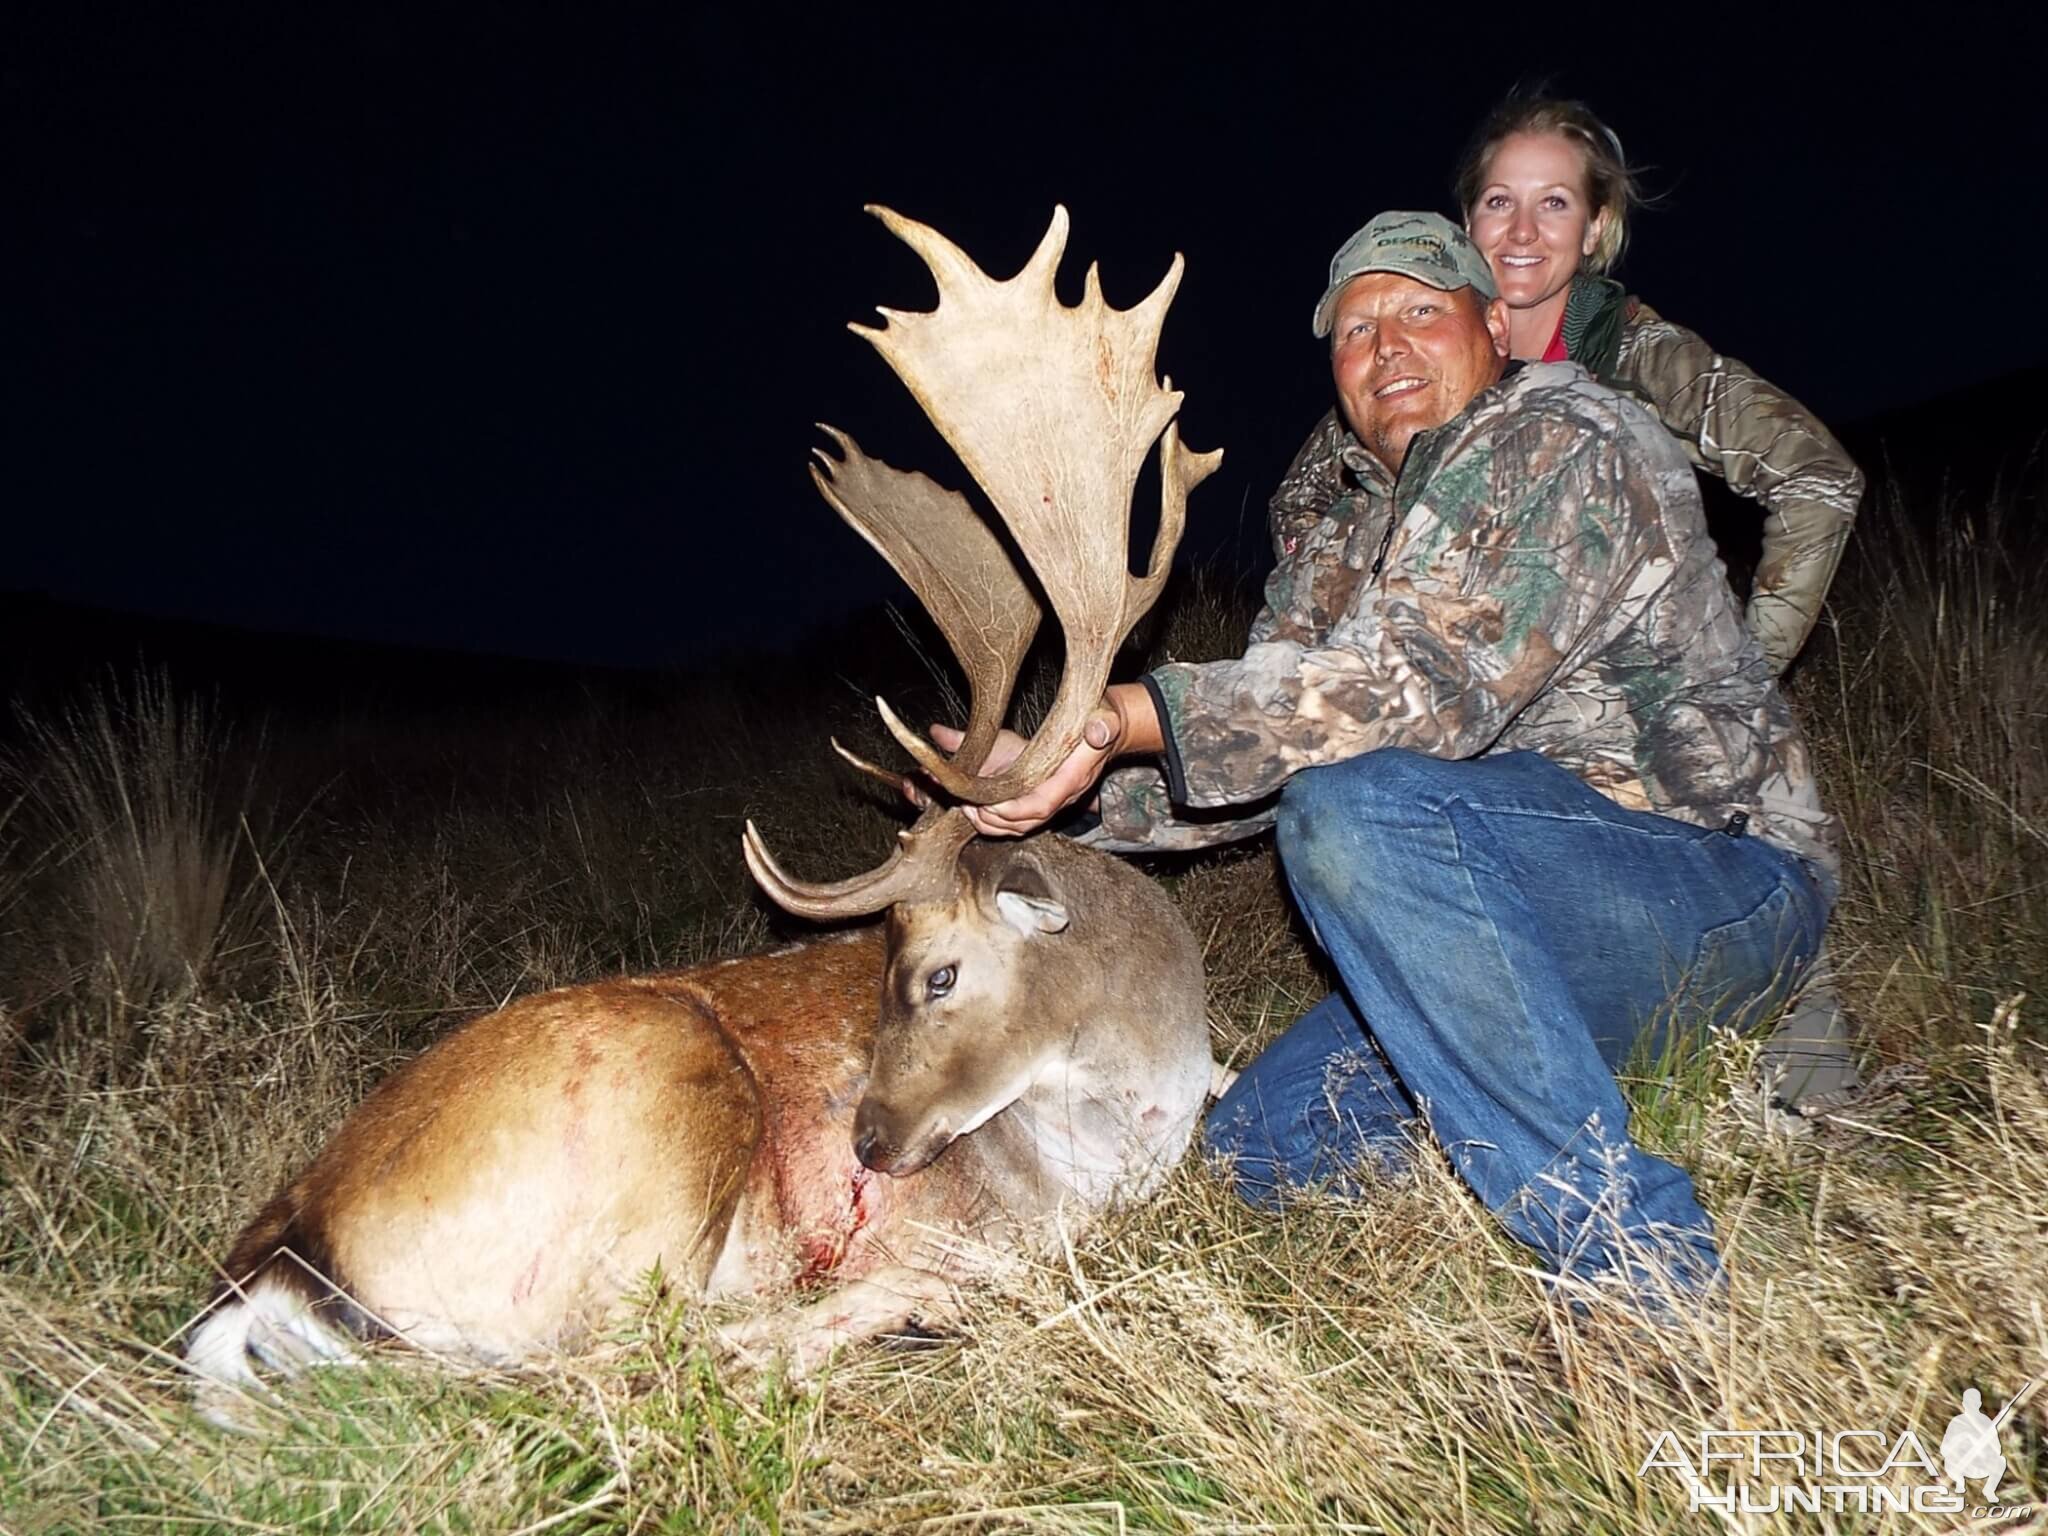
{"x":507,"y":334}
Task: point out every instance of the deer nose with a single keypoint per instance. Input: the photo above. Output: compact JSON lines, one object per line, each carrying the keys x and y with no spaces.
{"x":864,"y":1148}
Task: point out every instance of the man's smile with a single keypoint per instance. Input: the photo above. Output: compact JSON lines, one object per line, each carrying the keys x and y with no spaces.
{"x":1406,"y":384}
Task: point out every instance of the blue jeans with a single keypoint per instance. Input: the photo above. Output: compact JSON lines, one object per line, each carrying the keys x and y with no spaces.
{"x":1511,"y":935}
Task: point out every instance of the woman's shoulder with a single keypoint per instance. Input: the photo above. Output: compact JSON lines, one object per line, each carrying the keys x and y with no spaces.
{"x":1641,"y":323}
{"x":1652,"y":346}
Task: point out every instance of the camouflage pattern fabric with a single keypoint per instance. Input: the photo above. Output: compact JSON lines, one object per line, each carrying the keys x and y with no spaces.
{"x":1548,"y":584}
{"x":1768,"y":447}
{"x":1731,"y":423}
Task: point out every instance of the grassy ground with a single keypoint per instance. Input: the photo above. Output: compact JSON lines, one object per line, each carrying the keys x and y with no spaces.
{"x":211,"y":944}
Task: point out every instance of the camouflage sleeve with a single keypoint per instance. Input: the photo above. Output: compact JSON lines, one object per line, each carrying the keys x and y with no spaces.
{"x":1312,"y":484}
{"x":1138,"y":817}
{"x":1768,"y":447}
{"x":1519,"y":551}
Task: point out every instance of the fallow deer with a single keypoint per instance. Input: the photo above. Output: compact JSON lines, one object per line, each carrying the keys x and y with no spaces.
{"x":856,"y":1123}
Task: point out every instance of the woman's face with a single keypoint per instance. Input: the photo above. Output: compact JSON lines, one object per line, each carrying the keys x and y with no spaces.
{"x":1533,"y":219}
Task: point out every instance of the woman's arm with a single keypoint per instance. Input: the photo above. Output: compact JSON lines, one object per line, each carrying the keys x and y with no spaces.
{"x":1768,"y":447}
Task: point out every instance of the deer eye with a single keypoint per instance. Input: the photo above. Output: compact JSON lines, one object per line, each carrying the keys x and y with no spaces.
{"x":940,"y":982}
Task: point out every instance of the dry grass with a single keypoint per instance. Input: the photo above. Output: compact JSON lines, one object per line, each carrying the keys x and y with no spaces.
{"x":1388,"y":1365}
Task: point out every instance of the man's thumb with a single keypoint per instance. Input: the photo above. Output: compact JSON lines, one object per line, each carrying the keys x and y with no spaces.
{"x":1102,"y":729}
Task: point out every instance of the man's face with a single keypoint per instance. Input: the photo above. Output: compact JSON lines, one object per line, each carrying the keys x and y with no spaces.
{"x":1407,"y":357}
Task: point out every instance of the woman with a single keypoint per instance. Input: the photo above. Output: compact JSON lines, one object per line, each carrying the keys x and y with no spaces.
{"x":1546,"y":191}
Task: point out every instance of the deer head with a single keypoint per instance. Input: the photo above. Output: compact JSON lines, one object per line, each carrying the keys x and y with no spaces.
{"x":959,"y":1037}
{"x":1052,"y":409}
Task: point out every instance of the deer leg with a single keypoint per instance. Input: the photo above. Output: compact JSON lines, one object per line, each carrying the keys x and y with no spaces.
{"x":807,"y":1335}
{"x":1220,"y":1079}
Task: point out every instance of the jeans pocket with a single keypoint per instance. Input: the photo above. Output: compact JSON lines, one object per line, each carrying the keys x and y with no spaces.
{"x":1745,"y":969}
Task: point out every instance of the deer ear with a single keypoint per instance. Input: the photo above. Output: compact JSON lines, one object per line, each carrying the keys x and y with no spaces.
{"x":1025,"y":898}
{"x":1031,"y":914}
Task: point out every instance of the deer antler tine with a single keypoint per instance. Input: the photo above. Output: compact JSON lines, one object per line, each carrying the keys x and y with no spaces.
{"x":928,"y":756}
{"x":920,"y":867}
{"x":903,"y":783}
{"x":1149,"y":315}
{"x":1179,"y":473}
{"x":840,"y":898}
{"x":948,"y":263}
{"x":1044,"y":264}
{"x":846,"y":446}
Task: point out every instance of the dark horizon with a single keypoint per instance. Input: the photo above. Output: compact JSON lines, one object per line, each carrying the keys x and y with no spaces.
{"x":505,"y":339}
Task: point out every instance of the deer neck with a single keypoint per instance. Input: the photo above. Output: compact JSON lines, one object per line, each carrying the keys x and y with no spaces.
{"x":1107,"y":1131}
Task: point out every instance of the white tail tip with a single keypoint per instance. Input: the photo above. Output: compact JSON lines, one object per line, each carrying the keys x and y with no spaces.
{"x":269,"y":1323}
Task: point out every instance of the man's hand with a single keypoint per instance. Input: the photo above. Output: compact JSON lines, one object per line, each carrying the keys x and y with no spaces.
{"x":1123,"y":722}
{"x":1001,"y":755}
{"x":1007,"y":745}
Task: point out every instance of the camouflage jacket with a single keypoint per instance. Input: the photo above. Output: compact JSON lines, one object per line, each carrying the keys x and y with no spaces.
{"x":1539,"y":578}
{"x":1731,"y":423}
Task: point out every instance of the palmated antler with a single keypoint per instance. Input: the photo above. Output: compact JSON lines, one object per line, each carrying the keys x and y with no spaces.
{"x":1053,"y":410}
{"x":935,"y":540}
{"x":938,"y":544}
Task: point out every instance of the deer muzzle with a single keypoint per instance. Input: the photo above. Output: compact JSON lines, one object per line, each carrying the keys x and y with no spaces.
{"x":883,"y":1143}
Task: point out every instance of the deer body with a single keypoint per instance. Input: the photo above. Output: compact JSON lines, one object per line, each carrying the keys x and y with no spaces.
{"x":495,"y":1199}
{"x":1023,"y":1040}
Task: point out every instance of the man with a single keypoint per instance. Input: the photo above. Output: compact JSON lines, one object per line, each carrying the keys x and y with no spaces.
{"x":1529,"y":771}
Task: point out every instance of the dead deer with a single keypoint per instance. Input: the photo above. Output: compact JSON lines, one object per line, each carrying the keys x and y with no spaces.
{"x":858,"y":1123}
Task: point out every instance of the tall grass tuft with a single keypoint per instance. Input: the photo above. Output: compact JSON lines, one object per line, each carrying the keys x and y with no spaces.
{"x":147,"y":875}
{"x":1928,"y":714}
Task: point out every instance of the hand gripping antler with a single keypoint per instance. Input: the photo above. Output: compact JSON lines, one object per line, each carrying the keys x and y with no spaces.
{"x":1052,"y":410}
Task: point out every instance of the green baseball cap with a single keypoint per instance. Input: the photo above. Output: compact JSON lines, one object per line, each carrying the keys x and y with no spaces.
{"x":1425,"y":246}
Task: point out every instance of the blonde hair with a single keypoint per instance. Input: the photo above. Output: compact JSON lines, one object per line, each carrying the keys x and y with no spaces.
{"x":1611,"y":186}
